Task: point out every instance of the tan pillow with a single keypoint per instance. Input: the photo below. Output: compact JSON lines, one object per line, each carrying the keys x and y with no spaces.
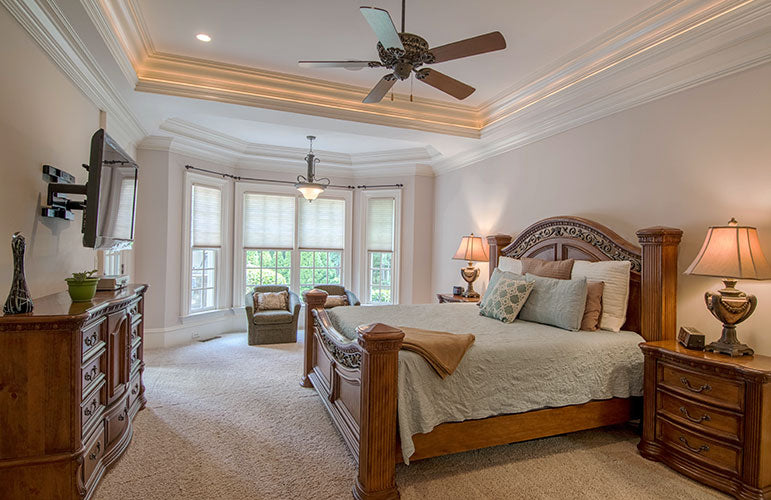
{"x":336,"y":300}
{"x":558,"y":269}
{"x":271,"y":301}
{"x":593,"y":311}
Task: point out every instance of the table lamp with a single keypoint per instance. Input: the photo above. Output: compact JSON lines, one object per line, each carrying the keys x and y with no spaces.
{"x":731,"y":252}
{"x":471,"y":249}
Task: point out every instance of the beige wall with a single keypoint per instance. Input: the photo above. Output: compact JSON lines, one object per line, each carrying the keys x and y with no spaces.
{"x":44,"y":119}
{"x":689,"y":160}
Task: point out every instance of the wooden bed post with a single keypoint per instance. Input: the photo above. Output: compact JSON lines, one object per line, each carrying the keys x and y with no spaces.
{"x":659,"y":282}
{"x":380,"y":346}
{"x":496,"y":242}
{"x":314,"y":299}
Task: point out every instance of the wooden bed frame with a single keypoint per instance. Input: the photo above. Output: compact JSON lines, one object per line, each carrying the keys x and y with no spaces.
{"x":357,"y":381}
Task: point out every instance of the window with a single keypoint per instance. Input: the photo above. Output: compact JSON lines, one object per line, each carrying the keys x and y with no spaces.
{"x":205,"y":243}
{"x":283,"y":239}
{"x":111,"y":263}
{"x":268,"y":239}
{"x":321,"y":242}
{"x":320,"y":267}
{"x":380,"y":236}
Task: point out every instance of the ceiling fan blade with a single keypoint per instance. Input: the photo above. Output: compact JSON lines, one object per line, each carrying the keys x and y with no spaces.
{"x":352,"y":65}
{"x":469,"y":47}
{"x":383,"y":26}
{"x":380,"y":90}
{"x":446,"y":84}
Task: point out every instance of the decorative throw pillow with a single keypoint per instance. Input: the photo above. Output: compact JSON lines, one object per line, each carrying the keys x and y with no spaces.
{"x":593,"y":310}
{"x":560,"y":303}
{"x":510,"y":265}
{"x":497,"y":274}
{"x":615,"y":294}
{"x":506,"y":299}
{"x":271,"y":301}
{"x":335,"y":301}
{"x":557,"y":269}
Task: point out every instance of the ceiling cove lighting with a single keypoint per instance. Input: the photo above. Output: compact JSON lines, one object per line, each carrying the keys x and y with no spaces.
{"x":203,"y":37}
{"x":308,"y":185}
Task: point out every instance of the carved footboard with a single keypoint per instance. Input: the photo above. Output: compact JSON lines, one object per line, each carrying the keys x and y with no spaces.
{"x":357,"y":382}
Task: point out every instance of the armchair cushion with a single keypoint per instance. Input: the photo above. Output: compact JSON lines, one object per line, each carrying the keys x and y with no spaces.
{"x":336,"y":300}
{"x":273,"y":317}
{"x":339,"y":290}
{"x":271,"y":301}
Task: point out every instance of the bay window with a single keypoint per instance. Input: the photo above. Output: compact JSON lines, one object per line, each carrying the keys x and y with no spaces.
{"x":268,"y":239}
{"x":381,"y":222}
{"x":321,"y":242}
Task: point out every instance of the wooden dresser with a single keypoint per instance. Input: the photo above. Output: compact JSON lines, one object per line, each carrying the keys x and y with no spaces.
{"x":708,"y":416}
{"x":70,"y":385}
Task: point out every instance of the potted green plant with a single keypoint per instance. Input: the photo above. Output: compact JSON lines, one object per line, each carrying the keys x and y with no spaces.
{"x":82,"y":286}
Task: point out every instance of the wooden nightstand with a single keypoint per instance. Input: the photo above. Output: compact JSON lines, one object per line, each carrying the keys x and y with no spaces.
{"x":446,"y":297}
{"x":708,"y":416}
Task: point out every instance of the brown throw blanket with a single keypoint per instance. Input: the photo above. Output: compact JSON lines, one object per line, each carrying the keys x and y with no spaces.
{"x":442,"y":350}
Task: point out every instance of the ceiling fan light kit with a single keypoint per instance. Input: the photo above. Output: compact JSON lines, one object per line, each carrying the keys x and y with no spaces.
{"x":404,"y":54}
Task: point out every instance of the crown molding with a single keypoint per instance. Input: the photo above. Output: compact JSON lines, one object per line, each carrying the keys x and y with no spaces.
{"x":208,"y":145}
{"x":96,"y":12}
{"x":48,"y":26}
{"x":735,"y":41}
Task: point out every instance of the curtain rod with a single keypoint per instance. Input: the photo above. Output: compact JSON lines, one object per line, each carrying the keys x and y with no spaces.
{"x":291,"y":183}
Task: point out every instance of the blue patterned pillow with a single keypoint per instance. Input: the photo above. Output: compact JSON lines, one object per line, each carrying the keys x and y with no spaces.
{"x":497,"y":274}
{"x":506,"y":298}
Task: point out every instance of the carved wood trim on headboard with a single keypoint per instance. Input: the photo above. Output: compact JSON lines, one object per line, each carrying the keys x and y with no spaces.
{"x":653,"y":277}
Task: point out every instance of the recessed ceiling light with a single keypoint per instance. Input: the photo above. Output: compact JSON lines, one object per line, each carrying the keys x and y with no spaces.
{"x":203,"y":37}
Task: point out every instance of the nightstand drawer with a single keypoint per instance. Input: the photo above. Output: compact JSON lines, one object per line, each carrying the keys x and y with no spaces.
{"x":721,"y":423}
{"x":699,"y":447}
{"x":701,"y":387}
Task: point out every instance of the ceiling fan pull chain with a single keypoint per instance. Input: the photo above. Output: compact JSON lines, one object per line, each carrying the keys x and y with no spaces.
{"x":403,"y":8}
{"x":392,"y":96}
{"x":412,"y":80}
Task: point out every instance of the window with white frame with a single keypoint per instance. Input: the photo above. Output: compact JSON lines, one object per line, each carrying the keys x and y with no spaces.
{"x":286,"y":240}
{"x":268,"y":239}
{"x":112,"y":264}
{"x":380,"y":247}
{"x":321,"y":241}
{"x":205,"y":244}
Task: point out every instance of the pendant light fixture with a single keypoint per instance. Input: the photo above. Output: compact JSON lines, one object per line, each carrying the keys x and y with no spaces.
{"x":308,"y":185}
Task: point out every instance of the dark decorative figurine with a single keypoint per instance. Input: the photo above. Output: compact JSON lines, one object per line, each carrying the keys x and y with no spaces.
{"x":18,"y":300}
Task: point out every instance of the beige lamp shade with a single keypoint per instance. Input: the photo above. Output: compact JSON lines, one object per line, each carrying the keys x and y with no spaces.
{"x":471,"y":249}
{"x":731,"y":251}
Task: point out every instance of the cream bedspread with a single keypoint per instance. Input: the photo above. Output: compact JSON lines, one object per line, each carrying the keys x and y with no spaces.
{"x":511,"y":368}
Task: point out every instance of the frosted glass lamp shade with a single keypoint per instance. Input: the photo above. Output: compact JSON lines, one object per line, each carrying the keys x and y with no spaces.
{"x":471,"y":249}
{"x":310,"y":191}
{"x":731,"y":251}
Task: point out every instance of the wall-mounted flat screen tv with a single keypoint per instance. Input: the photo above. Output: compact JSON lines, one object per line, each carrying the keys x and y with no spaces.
{"x":108,"y":222}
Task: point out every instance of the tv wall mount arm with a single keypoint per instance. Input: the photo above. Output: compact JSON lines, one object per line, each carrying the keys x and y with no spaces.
{"x":61,"y":184}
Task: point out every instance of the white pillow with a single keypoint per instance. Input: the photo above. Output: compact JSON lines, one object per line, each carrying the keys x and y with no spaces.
{"x":510,"y":265}
{"x":615,"y":295}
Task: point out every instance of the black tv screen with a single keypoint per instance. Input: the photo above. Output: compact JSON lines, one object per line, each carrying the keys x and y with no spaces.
{"x":108,"y":222}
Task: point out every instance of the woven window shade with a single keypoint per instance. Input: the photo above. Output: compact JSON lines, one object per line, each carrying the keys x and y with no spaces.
{"x":268,"y":221}
{"x":322,"y":224}
{"x":206,"y":217}
{"x":380,"y":224}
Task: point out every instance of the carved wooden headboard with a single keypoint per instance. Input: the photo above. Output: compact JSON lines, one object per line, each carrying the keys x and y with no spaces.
{"x":653,"y":275}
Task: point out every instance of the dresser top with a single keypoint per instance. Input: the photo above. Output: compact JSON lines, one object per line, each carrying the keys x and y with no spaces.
{"x":59,"y":306}
{"x":755,"y":363}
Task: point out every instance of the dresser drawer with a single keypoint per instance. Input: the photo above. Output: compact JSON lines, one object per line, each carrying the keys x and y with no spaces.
{"x":91,"y":374}
{"x":720,"y":423}
{"x":92,"y":338}
{"x":701,"y":387}
{"x":699,"y":447}
{"x":117,"y":421}
{"x":135,"y":388}
{"x":92,"y":408}
{"x":95,"y":447}
{"x":135,"y":360}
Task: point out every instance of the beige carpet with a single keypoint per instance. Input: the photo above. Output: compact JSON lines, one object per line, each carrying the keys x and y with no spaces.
{"x":228,"y":421}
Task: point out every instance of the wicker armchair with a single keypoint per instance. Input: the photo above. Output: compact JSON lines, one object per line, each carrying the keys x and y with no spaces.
{"x":340,"y":290}
{"x":272,"y":327}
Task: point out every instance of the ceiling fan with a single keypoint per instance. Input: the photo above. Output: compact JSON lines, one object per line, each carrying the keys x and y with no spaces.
{"x":404,"y":54}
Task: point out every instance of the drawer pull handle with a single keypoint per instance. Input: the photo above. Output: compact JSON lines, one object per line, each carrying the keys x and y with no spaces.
{"x":701,"y":448}
{"x":93,"y":455}
{"x":703,"y":418}
{"x":90,"y":340}
{"x":703,"y":388}
{"x":89,"y":411}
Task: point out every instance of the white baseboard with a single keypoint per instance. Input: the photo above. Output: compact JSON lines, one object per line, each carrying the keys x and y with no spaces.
{"x":189,"y":331}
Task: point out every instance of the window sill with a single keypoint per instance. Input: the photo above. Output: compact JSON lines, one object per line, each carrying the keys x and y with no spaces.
{"x":208,"y":315}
